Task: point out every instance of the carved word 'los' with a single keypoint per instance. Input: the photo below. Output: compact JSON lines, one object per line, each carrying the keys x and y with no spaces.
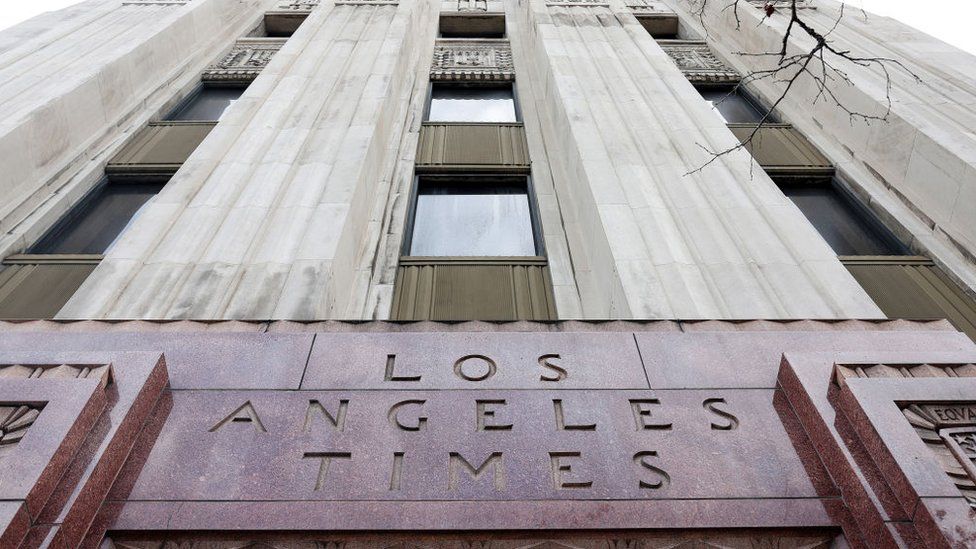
{"x":477,"y":368}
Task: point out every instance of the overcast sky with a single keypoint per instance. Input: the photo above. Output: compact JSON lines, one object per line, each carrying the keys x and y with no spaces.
{"x":949,"y":20}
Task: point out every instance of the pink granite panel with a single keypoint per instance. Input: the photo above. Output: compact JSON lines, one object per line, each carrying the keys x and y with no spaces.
{"x":505,"y":360}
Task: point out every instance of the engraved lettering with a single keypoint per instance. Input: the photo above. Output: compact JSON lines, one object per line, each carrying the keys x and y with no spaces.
{"x":561,"y":425}
{"x":731,"y":422}
{"x":394,"y":416}
{"x":244,"y":414}
{"x":643,"y":417}
{"x":391,"y":371}
{"x":338,"y":421}
{"x":494,"y":460}
{"x":324,"y":464}
{"x":662,"y":479}
{"x":560,"y":469}
{"x":490,"y":368}
{"x":397,"y":472}
{"x":559,"y":373}
{"x":485,"y":414}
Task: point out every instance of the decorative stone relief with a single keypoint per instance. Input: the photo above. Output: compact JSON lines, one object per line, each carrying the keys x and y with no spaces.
{"x":472,"y":60}
{"x":783,"y":4}
{"x":580,"y":3}
{"x":53,"y":371}
{"x":155,"y":3}
{"x":661,"y":541}
{"x":649,"y":7}
{"x":472,"y":5}
{"x":949,"y":431}
{"x":15,"y":420}
{"x":845,"y":371}
{"x":297,"y":5}
{"x":245,"y":61}
{"x":698,"y":62}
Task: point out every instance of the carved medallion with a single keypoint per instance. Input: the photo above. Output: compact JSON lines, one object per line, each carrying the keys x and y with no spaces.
{"x":949,"y":431}
{"x":698,"y":63}
{"x":472,"y":60}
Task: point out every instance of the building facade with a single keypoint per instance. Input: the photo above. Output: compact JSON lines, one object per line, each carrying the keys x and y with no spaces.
{"x":474,"y":273}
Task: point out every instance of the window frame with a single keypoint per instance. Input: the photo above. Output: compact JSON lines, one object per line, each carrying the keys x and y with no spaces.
{"x":862,"y":213}
{"x":535,"y":218}
{"x":742,"y":93}
{"x":469,"y":85}
{"x":187,"y":101}
{"x":80,"y":209}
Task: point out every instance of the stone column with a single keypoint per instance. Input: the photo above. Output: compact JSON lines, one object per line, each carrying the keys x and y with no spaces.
{"x":277,"y":213}
{"x":655,"y":229}
{"x":917,"y":169}
{"x":75,"y":82}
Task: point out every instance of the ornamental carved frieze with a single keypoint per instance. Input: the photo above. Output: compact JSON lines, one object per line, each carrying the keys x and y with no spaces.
{"x":783,"y":5}
{"x":53,"y":371}
{"x":650,"y":7}
{"x":155,"y":2}
{"x":673,"y":539}
{"x":473,"y":5}
{"x":698,"y":63}
{"x":297,"y":5}
{"x":949,"y":431}
{"x":578,"y":3}
{"x":245,"y":61}
{"x":472,"y":60}
{"x":15,"y":420}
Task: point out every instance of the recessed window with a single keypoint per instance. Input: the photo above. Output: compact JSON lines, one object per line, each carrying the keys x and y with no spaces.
{"x":732,"y":106}
{"x":93,"y":225}
{"x":450,"y":103}
{"x":208,"y":104}
{"x":848,"y":230}
{"x":473,"y":217}
{"x":472,"y":25}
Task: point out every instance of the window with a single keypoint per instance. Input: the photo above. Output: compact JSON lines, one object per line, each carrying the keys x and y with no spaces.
{"x":473,"y":217}
{"x":93,"y":225}
{"x":208,"y":104}
{"x":847,"y":230}
{"x":472,"y":25}
{"x":450,"y":103}
{"x":731,"y":106}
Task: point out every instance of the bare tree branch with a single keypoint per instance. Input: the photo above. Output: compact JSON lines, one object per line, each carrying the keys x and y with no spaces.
{"x":820,"y":63}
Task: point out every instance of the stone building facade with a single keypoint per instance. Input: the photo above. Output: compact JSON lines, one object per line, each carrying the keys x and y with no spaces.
{"x":377,"y":273}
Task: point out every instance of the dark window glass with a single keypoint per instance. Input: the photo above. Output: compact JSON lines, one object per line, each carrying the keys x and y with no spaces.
{"x":472,"y":219}
{"x":846,"y":229}
{"x":209,"y":104}
{"x":731,"y":106}
{"x":469,"y":25}
{"x":95,"y":224}
{"x":472,"y":104}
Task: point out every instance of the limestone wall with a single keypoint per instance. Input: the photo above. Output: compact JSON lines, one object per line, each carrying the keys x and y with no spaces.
{"x":294,"y":206}
{"x":917,"y":170}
